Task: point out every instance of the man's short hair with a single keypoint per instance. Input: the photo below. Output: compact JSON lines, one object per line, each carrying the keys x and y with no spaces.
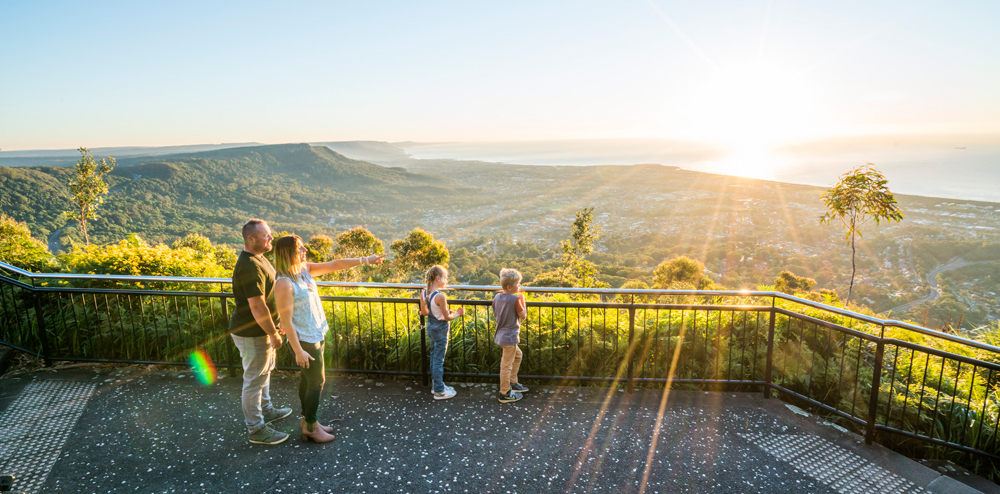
{"x":508,"y":277}
{"x":251,"y":226}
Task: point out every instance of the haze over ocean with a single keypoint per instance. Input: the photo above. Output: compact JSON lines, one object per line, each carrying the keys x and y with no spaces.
{"x":937,"y":169}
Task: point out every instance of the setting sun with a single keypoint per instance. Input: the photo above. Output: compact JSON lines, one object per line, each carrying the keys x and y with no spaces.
{"x":750,"y":106}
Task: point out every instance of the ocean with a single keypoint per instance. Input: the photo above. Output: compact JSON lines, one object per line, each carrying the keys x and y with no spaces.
{"x":946,"y":168}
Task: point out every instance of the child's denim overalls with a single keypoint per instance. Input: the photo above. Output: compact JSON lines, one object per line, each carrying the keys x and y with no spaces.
{"x":437,"y":331}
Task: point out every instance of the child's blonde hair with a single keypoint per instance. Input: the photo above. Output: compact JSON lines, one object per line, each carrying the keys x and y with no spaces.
{"x":434,"y":273}
{"x":508,"y":277}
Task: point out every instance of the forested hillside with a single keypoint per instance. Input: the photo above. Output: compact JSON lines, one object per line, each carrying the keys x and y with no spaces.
{"x":297,"y":187}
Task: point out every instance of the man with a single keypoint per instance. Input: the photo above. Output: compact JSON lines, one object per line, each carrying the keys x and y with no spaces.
{"x":255,"y":332}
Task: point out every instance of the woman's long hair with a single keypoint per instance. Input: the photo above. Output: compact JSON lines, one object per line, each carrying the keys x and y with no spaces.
{"x":286,"y":257}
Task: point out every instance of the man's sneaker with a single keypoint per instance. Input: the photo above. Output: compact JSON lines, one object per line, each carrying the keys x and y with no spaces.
{"x":276,"y":414}
{"x":518,"y":387}
{"x":444,"y":395}
{"x":267,"y":435}
{"x":511,"y":396}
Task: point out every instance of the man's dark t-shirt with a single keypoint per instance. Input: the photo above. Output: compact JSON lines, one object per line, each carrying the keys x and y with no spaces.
{"x":253,"y":276}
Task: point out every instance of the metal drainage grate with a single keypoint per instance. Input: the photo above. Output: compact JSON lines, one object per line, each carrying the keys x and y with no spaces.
{"x":835,"y":467}
{"x":34,"y":429}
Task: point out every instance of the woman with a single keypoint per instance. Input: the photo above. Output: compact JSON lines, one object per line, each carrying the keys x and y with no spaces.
{"x":304,"y":322}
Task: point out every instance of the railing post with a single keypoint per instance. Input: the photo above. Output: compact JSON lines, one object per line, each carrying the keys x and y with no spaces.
{"x":876,"y":384}
{"x":631,"y":349}
{"x":423,"y":348}
{"x":42,"y":335}
{"x":232,"y":348}
{"x":770,"y":354}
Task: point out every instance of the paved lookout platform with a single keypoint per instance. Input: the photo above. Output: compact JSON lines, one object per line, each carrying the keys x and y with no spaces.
{"x":130,"y":429}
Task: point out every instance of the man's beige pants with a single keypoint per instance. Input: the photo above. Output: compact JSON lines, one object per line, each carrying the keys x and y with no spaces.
{"x":509,"y":364}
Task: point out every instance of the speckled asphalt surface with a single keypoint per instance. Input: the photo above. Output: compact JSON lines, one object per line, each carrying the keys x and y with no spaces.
{"x":161,"y":431}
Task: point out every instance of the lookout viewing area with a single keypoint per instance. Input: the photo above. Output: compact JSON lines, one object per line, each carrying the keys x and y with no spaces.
{"x":630,"y":391}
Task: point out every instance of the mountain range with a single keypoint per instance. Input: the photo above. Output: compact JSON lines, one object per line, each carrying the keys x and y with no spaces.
{"x":298,"y":187}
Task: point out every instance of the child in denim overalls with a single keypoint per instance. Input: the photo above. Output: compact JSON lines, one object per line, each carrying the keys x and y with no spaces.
{"x":434,"y":305}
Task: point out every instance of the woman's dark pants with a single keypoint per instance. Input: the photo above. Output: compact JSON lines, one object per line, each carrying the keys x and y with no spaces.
{"x":311,"y":385}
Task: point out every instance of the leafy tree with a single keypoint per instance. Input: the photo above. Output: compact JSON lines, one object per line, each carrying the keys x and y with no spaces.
{"x":417,"y":252}
{"x":680,"y":271}
{"x":320,"y":248}
{"x":555,"y":279}
{"x":585,"y":235}
{"x":195,"y":241}
{"x":18,"y":248}
{"x":788,"y":282}
{"x":636,"y":285}
{"x":226,"y":258}
{"x":862,"y":195}
{"x":89,"y":188}
{"x":358,"y":242}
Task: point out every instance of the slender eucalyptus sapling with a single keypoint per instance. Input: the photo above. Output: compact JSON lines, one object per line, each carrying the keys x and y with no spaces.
{"x":89,"y":188}
{"x":862,"y":195}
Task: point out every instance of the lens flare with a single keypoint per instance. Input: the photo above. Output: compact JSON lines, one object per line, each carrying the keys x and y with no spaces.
{"x":203,"y":367}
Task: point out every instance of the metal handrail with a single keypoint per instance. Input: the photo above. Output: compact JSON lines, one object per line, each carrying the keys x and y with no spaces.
{"x":37,"y":306}
{"x":893,"y":323}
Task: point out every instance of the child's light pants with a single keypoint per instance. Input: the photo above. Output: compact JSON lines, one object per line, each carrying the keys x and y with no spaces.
{"x":509,"y":363}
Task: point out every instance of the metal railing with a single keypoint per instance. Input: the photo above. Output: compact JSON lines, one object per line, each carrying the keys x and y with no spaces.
{"x":881,"y":376}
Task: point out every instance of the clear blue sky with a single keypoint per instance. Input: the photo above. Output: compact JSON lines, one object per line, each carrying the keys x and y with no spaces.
{"x":178,"y":72}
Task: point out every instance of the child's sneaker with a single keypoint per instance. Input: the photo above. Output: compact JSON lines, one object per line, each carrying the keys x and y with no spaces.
{"x":444,"y":395}
{"x":520,"y":388}
{"x":511,"y":396}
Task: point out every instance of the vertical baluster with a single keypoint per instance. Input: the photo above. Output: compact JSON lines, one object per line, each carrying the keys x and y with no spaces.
{"x":475,"y":340}
{"x":968,"y":403}
{"x":423,"y":347}
{"x":163,"y":348}
{"x":182,"y":334}
{"x":857,"y":377}
{"x":395,"y":336}
{"x":732,"y":339}
{"x":142,"y":320}
{"x":923,"y":385}
{"x":565,"y":353}
{"x":718,"y":344}
{"x":62,"y":314}
{"x":630,"y":353}
{"x":982,"y":411}
{"x":937,"y":397}
{"x":892,"y":384}
{"x":197,"y":341}
{"x":769,"y":356}
{"x":371,"y":337}
{"x":873,"y":399}
{"x":131,"y":320}
{"x":843,"y":355}
{"x":335,"y":360}
{"x":906,"y":396}
{"x":656,"y":343}
{"x":384,"y":347}
{"x":357,"y":325}
{"x":954,"y":394}
{"x":121,"y":324}
{"x":552,"y":342}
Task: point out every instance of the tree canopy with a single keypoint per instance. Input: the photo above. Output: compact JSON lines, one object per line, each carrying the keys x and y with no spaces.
{"x":862,"y":195}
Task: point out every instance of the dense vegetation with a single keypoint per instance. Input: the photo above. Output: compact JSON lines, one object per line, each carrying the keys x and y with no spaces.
{"x":296,"y":187}
{"x":745,"y":232}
